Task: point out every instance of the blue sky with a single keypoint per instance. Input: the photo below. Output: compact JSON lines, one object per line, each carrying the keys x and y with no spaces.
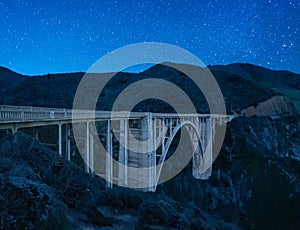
{"x":38,"y":37}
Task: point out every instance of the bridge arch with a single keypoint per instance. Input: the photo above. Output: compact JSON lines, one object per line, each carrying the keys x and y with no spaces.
{"x":184,"y":124}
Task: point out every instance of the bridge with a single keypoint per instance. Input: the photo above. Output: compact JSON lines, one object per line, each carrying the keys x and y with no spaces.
{"x":125,"y":148}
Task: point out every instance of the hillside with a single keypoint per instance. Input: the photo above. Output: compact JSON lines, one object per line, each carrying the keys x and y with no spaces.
{"x":59,"y":90}
{"x":284,"y":82}
{"x":9,"y":79}
{"x":255,"y":182}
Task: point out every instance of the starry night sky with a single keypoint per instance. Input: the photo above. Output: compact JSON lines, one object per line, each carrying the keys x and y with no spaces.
{"x":41,"y":36}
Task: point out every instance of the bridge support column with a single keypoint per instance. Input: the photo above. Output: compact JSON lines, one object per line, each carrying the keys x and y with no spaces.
{"x":209,"y":148}
{"x":123,"y":153}
{"x":163,"y":148}
{"x":37,"y":134}
{"x":202,"y":159}
{"x":152,"y":155}
{"x":91,"y":153}
{"x":68,"y":142}
{"x":60,"y":139}
{"x":14,"y":129}
{"x":87,"y":148}
{"x":148,"y":159}
{"x":109,"y":155}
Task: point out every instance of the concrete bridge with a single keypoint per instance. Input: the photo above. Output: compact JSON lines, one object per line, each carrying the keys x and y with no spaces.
{"x":131,"y":140}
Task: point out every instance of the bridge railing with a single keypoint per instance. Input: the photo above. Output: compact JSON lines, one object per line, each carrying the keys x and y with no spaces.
{"x":25,"y":113}
{"x":29,"y":113}
{"x":21,"y":113}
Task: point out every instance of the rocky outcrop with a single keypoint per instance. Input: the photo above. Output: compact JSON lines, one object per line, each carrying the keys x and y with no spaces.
{"x":255,"y":177}
{"x":39,"y":189}
{"x":277,"y":105}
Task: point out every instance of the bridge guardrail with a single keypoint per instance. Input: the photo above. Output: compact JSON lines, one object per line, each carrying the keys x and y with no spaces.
{"x":28,"y":113}
{"x":10,"y":113}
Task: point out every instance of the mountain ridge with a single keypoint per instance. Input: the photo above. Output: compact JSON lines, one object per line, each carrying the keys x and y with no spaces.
{"x":233,"y":80}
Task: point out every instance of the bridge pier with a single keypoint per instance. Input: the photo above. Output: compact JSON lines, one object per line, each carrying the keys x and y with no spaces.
{"x":14,"y":129}
{"x":151,"y":153}
{"x":59,"y":139}
{"x":109,"y":155}
{"x":91,"y":153}
{"x":123,"y":153}
{"x":202,"y":159}
{"x":142,"y":157}
{"x":87,"y":147}
{"x":68,"y":142}
{"x":37,"y":134}
{"x":146,"y":158}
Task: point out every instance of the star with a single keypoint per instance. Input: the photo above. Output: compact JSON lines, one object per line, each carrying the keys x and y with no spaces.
{"x":76,"y":33}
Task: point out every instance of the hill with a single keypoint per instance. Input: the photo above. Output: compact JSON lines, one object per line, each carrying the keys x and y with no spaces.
{"x":285,"y":82}
{"x":240,"y":91}
{"x":9,"y":79}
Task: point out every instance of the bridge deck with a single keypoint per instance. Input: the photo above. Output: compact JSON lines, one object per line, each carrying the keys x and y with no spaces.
{"x":19,"y":114}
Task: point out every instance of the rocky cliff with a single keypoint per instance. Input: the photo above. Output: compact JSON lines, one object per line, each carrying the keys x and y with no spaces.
{"x":274,"y":106}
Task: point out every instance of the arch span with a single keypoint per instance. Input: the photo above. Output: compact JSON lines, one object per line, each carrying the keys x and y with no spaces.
{"x":184,"y":124}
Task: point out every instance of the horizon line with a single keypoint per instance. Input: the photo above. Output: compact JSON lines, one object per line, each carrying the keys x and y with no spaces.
{"x":148,"y":66}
